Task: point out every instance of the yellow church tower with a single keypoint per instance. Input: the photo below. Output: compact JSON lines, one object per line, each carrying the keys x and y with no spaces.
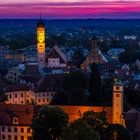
{"x":118,"y":103}
{"x":41,"y":43}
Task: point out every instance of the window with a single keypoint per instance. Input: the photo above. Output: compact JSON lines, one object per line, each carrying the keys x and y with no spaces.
{"x":9,"y":129}
{"x":3,"y":129}
{"x":15,"y":95}
{"x":22,"y":130}
{"x":28,"y":130}
{"x":28,"y":138}
{"x":15,"y":129}
{"x":43,"y":95}
{"x":3,"y":136}
{"x":15,"y":138}
{"x":39,"y":100}
{"x":21,"y":94}
{"x":22,"y":137}
{"x":9,"y":137}
{"x":117,"y":88}
{"x":10,"y":96}
{"x":117,"y":95}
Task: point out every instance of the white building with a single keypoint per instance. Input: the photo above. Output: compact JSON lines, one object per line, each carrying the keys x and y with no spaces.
{"x":19,"y":94}
{"x":56,"y":58}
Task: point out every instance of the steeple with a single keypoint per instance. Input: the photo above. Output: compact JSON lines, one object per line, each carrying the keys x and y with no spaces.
{"x":41,"y":43}
{"x":118,"y":102}
{"x":94,"y":42}
{"x":41,"y":23}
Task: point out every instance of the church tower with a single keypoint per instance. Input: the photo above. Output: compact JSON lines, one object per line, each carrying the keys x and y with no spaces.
{"x":118,"y":103}
{"x":41,"y":43}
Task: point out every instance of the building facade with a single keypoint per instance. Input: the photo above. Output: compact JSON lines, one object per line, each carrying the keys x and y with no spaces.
{"x":16,"y":122}
{"x":95,"y":56}
{"x":19,"y":94}
{"x":14,"y":75}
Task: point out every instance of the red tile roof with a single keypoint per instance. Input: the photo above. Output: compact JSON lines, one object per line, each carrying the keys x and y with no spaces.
{"x":23,"y":112}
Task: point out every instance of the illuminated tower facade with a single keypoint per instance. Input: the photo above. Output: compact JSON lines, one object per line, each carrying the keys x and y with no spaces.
{"x":118,"y":103}
{"x":41,"y":43}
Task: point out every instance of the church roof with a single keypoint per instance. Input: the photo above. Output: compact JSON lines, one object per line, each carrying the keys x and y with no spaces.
{"x":23,"y":112}
{"x":58,"y":52}
{"x":118,"y":82}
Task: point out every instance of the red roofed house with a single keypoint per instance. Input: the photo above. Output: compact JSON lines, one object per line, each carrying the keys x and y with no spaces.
{"x":15,"y":122}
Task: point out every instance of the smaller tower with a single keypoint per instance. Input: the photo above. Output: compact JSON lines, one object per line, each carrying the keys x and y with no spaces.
{"x":41,"y":43}
{"x":118,"y":102}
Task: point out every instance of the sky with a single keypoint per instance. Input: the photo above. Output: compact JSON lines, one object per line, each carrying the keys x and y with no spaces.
{"x":61,"y":9}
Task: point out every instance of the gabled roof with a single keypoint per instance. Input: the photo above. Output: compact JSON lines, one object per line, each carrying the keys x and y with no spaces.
{"x":17,"y":87}
{"x":49,"y":83}
{"x":58,"y":52}
{"x":23,"y":112}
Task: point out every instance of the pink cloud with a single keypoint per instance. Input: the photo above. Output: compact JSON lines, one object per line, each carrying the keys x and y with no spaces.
{"x":72,"y":10}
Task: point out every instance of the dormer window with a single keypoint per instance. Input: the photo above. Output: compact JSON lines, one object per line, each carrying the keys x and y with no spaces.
{"x":15,"y":120}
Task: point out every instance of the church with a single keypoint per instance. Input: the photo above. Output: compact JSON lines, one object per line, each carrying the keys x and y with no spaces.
{"x":56,"y":58}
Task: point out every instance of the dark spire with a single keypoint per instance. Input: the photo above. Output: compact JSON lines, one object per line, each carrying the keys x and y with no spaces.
{"x":40,"y":23}
{"x":94,"y":42}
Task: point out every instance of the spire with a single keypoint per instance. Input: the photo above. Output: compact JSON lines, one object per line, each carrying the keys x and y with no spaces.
{"x":94,"y":42}
{"x":118,"y":82}
{"x":40,"y":23}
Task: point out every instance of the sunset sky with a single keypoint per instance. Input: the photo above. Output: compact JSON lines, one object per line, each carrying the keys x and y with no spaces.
{"x":70,"y":8}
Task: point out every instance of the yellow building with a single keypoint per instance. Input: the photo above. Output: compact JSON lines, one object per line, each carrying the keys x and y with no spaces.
{"x":16,"y":122}
{"x":41,"y":43}
{"x":117,"y":114}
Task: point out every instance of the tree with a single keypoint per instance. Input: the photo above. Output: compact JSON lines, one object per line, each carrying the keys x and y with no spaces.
{"x":74,"y":86}
{"x":80,"y":130}
{"x":98,"y":121}
{"x":49,"y":123}
{"x":95,"y":85}
{"x":117,"y":132}
{"x":3,"y":96}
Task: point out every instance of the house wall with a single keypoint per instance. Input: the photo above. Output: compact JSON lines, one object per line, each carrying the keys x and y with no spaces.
{"x":15,"y":132}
